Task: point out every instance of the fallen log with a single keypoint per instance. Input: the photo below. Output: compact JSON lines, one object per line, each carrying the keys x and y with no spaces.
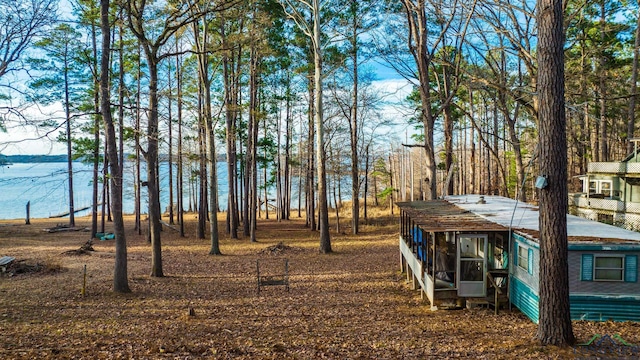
{"x":64,"y":228}
{"x":74,"y":211}
{"x":169,"y":226}
{"x":83,"y":250}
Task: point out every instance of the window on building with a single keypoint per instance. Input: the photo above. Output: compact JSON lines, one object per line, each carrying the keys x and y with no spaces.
{"x":523,"y":257}
{"x":608,"y":268}
{"x":604,"y":187}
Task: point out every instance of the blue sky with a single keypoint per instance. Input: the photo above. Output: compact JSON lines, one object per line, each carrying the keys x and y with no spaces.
{"x":24,"y":140}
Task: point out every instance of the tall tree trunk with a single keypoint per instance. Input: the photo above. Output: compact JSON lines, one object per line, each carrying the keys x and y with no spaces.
{"x":213,"y":191}
{"x":151,"y":156}
{"x":105,"y":183}
{"x":554,"y":326}
{"x":472,"y":156}
{"x":236,"y":100}
{"x":300,"y":167}
{"x":67,"y":111}
{"x":200,"y":41}
{"x":286,"y":206}
{"x":334,"y":185}
{"x":121,"y":90}
{"x":391,"y":173}
{"x":138,"y":130}
{"x":602,"y":74}
{"x":202,"y":155}
{"x":280,"y":191}
{"x":353,"y":123}
{"x":448,"y":128}
{"x":153,"y":188}
{"x":96,"y":136}
{"x":323,"y":210}
{"x":496,"y":150}
{"x":180,"y":166}
{"x":230,"y":109}
{"x":366,"y":180}
{"x":170,"y":135}
{"x":252,"y":140}
{"x":417,"y":21}
{"x":631,"y":124}
{"x":209,"y":128}
{"x":310,"y":196}
{"x":120,"y":281}
{"x":246,"y":182}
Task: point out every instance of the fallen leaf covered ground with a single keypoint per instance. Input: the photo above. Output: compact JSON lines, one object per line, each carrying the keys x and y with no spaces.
{"x":352,"y":304}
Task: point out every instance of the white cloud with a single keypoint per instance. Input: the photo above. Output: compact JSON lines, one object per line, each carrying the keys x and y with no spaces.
{"x":24,"y":136}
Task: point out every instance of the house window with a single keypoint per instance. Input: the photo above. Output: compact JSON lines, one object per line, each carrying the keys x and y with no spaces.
{"x":604,"y":187}
{"x":608,"y":268}
{"x":523,"y":258}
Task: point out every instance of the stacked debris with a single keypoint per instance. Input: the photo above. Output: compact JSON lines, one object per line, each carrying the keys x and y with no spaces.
{"x":279,"y":248}
{"x":22,"y":267}
{"x":83,"y":250}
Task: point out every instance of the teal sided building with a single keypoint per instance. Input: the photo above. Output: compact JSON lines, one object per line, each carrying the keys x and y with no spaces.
{"x":603,"y":259}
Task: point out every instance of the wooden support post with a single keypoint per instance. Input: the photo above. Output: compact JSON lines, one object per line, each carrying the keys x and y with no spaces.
{"x":28,"y":218}
{"x":414,"y":282}
{"x":408,"y":270}
{"x":84,"y":281}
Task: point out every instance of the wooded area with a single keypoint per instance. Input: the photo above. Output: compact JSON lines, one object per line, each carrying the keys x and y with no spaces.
{"x":288,"y":89}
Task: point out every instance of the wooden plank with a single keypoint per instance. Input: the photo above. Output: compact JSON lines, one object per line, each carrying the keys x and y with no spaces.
{"x":169,"y":226}
{"x":67,"y":213}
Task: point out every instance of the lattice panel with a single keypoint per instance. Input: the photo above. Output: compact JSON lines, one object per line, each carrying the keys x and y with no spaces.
{"x":607,"y":167}
{"x":620,"y":219}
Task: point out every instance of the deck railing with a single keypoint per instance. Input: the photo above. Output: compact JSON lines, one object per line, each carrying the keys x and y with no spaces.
{"x":614,"y":167}
{"x":633,"y":168}
{"x":633,"y":208}
{"x":603,"y":204}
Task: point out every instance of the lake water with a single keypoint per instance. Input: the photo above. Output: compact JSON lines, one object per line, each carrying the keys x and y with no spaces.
{"x":46,"y":186}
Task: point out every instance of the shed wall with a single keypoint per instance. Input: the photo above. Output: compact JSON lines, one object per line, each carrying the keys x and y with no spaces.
{"x":531,"y":280}
{"x":524,"y":298}
{"x":603,"y":308}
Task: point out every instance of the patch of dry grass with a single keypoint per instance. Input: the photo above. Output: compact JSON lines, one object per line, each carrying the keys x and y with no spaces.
{"x":353,"y":303}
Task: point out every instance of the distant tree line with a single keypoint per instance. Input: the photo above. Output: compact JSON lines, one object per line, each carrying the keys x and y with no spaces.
{"x":17,"y":159}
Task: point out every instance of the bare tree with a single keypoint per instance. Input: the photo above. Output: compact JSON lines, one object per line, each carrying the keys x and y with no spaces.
{"x":20,"y":23}
{"x":425,"y":38}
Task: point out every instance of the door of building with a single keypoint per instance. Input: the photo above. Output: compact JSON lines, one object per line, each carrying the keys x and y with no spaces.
{"x":472,"y":265}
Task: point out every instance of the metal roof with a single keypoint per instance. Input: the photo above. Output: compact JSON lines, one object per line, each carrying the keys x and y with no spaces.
{"x":443,"y":216}
{"x":497,"y":213}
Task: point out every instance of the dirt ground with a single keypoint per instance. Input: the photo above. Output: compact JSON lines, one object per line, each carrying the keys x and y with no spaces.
{"x":352,"y":304}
